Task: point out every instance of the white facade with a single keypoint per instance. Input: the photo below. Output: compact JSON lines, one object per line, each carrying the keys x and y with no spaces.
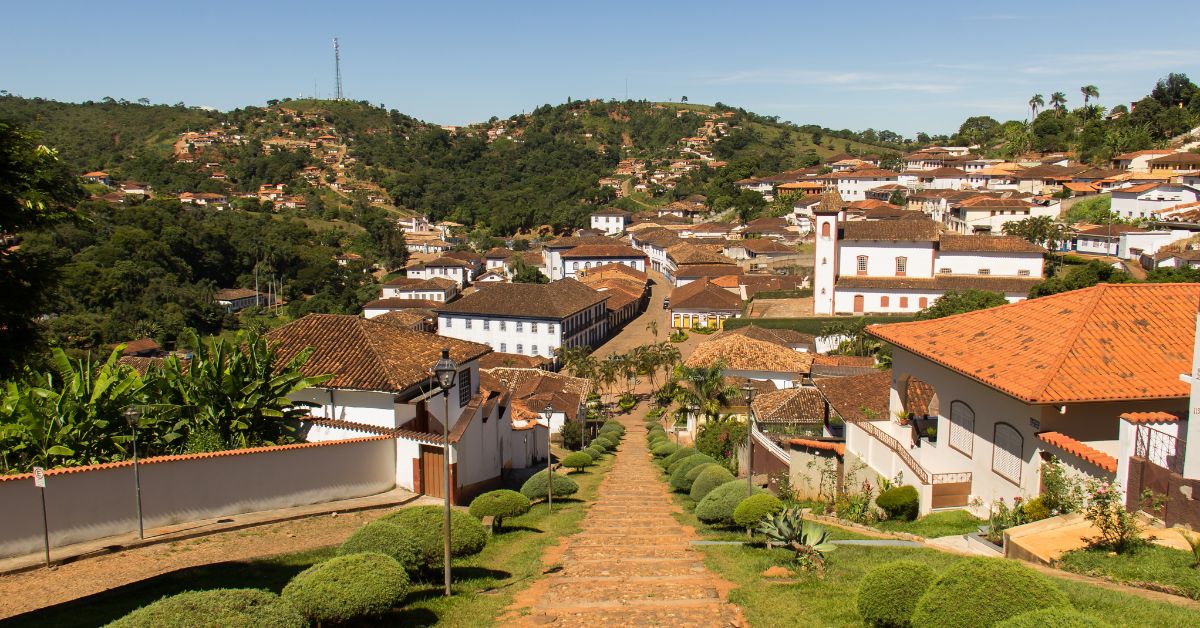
{"x":572,"y":266}
{"x":424,"y":293}
{"x":610,"y":223}
{"x":534,"y":336}
{"x":983,"y":219}
{"x":1136,"y":202}
{"x":458,"y":274}
{"x":854,"y":187}
{"x":825,"y":264}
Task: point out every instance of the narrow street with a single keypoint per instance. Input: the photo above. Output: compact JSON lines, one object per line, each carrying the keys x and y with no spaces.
{"x":635,"y":332}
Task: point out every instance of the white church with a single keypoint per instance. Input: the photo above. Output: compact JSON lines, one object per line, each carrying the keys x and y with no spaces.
{"x":903,"y":265}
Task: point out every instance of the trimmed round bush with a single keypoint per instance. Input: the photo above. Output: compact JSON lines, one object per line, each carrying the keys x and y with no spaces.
{"x":695,"y":471}
{"x":604,"y":443}
{"x":664,"y":450}
{"x":900,"y":502}
{"x":349,"y":587}
{"x":614,"y":425}
{"x":612,"y":435}
{"x":682,"y":452}
{"x":1035,"y":509}
{"x":386,"y":538}
{"x":753,"y":509}
{"x":717,"y":507}
{"x":535,"y":486}
{"x":708,"y":479}
{"x":655,"y":443}
{"x":594,"y":451}
{"x":578,"y":461}
{"x":997,"y":589}
{"x":504,"y":504}
{"x":888,"y":593}
{"x":248,"y":608}
{"x":679,"y":481}
{"x":1053,"y":618}
{"x":424,"y":525}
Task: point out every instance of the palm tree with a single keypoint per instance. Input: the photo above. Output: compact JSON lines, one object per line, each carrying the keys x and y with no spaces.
{"x":652,"y":327}
{"x":1036,"y":103}
{"x":1058,"y":100}
{"x":704,"y":387}
{"x":1089,"y":92}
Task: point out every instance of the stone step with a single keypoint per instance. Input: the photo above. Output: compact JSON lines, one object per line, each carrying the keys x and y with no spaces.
{"x":565,"y":593}
{"x":687,"y":616}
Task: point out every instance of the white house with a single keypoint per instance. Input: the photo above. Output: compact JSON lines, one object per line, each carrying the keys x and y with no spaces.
{"x":611,"y":221}
{"x":592,"y":255}
{"x":989,"y":214}
{"x":1145,"y":200}
{"x":459,"y":271}
{"x":854,"y":184}
{"x":1016,"y":384}
{"x":552,"y":252}
{"x":901,"y":266}
{"x":654,"y":243}
{"x":528,"y":319}
{"x":439,"y":289}
{"x":1138,"y":161}
{"x":1134,"y":244}
{"x":1104,"y":240}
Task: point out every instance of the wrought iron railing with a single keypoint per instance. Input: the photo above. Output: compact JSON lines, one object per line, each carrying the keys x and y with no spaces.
{"x":951,"y":478}
{"x":898,"y":449}
{"x":1159,"y":448}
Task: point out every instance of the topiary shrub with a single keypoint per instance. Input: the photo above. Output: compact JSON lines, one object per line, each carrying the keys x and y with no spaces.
{"x":424,"y":525}
{"x":594,"y":452}
{"x":888,"y":594}
{"x":535,"y":486}
{"x":614,"y":425}
{"x":350,"y":587}
{"x":577,"y":461}
{"x":1053,"y":618}
{"x":717,"y":507}
{"x":654,"y":443}
{"x":753,"y":509}
{"x":997,"y":589}
{"x":386,"y":538}
{"x":664,"y":450}
{"x":708,"y":479}
{"x":248,"y":608}
{"x":681,"y":453}
{"x":901,"y":502}
{"x":503,"y":504}
{"x":612,"y":435}
{"x":604,"y":443}
{"x":679,"y":481}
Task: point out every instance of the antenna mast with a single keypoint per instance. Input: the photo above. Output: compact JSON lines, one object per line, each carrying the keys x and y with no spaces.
{"x":337,"y":66}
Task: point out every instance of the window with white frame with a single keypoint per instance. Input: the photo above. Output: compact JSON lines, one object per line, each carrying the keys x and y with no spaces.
{"x":985,"y":271}
{"x":533,"y":350}
{"x":504,"y":347}
{"x":533,"y":327}
{"x":501,"y":325}
{"x":944,"y":271}
{"x":466,"y":323}
{"x":520,"y":326}
{"x":901,"y":265}
{"x":962,"y":428}
{"x":1007,"y":452}
{"x":862,"y":264}
{"x":520,"y":348}
{"x":486,"y":324}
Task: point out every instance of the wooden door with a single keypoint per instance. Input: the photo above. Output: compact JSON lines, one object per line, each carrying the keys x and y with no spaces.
{"x":433,"y":478}
{"x":858,"y":304}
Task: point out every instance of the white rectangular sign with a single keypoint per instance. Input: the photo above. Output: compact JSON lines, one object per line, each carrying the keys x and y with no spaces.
{"x":39,"y":477}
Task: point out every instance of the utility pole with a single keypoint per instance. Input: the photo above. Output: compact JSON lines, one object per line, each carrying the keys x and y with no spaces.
{"x":337,"y":69}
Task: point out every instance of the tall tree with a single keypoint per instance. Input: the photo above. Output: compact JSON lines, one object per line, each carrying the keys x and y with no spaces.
{"x":1035,"y":103}
{"x":1058,"y":100}
{"x":1089,"y":92}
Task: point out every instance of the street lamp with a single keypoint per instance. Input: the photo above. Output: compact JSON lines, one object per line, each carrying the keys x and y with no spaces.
{"x":548,"y":413}
{"x":446,"y":371}
{"x":133,"y":416}
{"x":748,"y":392}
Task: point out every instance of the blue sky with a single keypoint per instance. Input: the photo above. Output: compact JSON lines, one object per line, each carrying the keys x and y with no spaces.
{"x":900,"y":66}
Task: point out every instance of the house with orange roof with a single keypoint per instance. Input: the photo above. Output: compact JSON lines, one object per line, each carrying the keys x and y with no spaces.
{"x":1146,"y":200}
{"x":98,"y":176}
{"x":1068,"y":376}
{"x":1138,"y":160}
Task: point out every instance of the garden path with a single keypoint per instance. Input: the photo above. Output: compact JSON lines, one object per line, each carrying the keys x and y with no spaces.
{"x":632,"y":564}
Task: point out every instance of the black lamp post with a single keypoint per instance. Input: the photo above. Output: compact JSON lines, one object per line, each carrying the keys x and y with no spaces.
{"x":548,"y":413}
{"x":748,"y":392}
{"x":133,"y":416}
{"x":446,"y":371}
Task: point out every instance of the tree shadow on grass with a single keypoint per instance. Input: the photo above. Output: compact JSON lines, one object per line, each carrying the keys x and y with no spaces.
{"x":102,"y":608}
{"x":509,"y":529}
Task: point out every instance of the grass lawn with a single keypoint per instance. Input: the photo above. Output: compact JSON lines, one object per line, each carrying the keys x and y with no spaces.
{"x":931,"y":526}
{"x":1152,"y":566}
{"x":484,"y":584}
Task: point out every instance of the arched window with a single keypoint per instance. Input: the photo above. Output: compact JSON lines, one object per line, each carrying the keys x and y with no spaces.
{"x":862,"y":264}
{"x":962,"y":428}
{"x":824,"y":230}
{"x":1007,"y":453}
{"x":901,"y":266}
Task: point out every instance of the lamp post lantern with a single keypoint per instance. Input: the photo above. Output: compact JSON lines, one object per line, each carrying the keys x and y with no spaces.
{"x":748,"y":392}
{"x":446,"y":372}
{"x":548,"y":413}
{"x":133,"y":416}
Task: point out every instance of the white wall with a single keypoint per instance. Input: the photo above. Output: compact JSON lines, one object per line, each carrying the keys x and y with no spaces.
{"x":361,"y":406}
{"x":572,"y":266}
{"x":881,"y":258}
{"x":83,"y":505}
{"x":1151,"y":241}
{"x":1003,"y":264}
{"x":610,"y":225}
{"x":502,"y":334}
{"x":1130,"y":205}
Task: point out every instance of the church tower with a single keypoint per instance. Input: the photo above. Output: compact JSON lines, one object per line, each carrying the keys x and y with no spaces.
{"x":826,"y":214}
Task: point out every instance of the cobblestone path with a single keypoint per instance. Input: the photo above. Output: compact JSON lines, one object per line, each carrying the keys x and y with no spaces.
{"x":632,"y":564}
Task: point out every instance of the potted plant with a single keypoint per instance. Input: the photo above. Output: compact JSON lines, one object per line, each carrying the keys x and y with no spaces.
{"x":931,"y":434}
{"x":902,"y":417}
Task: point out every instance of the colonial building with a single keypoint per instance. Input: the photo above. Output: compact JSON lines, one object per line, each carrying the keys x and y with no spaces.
{"x":702,"y":304}
{"x":583,"y":257}
{"x":528,"y":319}
{"x":611,"y":221}
{"x":461,"y":272}
{"x":440,"y":289}
{"x":899,"y":266}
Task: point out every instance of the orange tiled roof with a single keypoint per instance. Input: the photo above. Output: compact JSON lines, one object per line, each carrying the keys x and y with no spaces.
{"x":838,"y":448}
{"x":1083,"y":450}
{"x":1104,"y":343}
{"x":1150,"y":417}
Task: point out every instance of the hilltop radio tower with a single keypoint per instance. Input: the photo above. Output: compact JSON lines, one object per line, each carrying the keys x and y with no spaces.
{"x":337,"y":69}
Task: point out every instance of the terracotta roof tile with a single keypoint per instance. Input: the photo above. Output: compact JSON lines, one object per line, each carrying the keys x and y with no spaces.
{"x":557,"y":299}
{"x":1104,"y":343}
{"x":396,"y":303}
{"x":1082,"y":450}
{"x":826,"y":445}
{"x":708,"y":270}
{"x":790,"y":405}
{"x":986,"y":244}
{"x":782,"y":337}
{"x":703,"y":295}
{"x":741,"y":353}
{"x":848,"y":396}
{"x":592,"y":251}
{"x":891,"y":230}
{"x":1150,"y":417}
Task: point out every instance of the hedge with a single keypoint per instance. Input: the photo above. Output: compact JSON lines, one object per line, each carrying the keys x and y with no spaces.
{"x":717,"y":507}
{"x":900,"y":502}
{"x":248,"y":608}
{"x":678,"y":480}
{"x":594,"y":452}
{"x":424,"y":524}
{"x":888,"y":594}
{"x":664,"y":450}
{"x":604,"y":443}
{"x":1053,"y":618}
{"x":708,"y":479}
{"x":753,"y":509}
{"x":998,"y":589}
{"x":578,"y":460}
{"x":535,"y":486}
{"x":350,"y":587}
{"x":617,"y":425}
{"x":681,"y":453}
{"x":503,"y":504}
{"x":386,"y":538}
{"x":813,"y":325}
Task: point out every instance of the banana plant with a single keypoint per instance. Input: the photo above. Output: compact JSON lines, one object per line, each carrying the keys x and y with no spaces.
{"x":810,"y":541}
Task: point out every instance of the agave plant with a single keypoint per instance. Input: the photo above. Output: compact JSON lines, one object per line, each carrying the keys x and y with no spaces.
{"x":807,"y":539}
